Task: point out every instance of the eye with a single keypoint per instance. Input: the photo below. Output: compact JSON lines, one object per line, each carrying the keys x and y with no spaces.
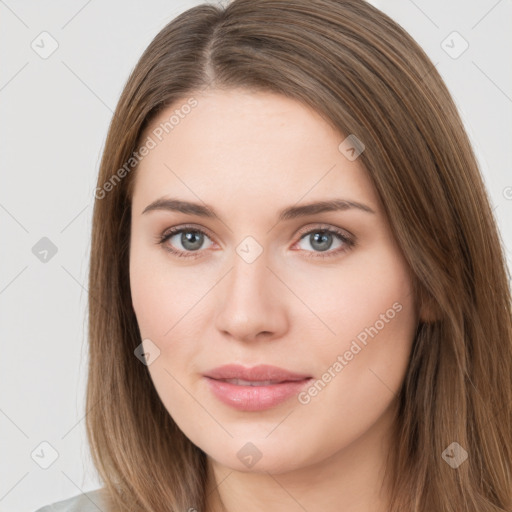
{"x":319,"y":239}
{"x":190,"y":238}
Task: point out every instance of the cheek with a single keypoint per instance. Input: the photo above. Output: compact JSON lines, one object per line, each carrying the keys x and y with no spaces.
{"x":369,"y":311}
{"x":170,"y":309}
{"x":360,"y":369}
{"x":165,"y":312}
{"x":367,"y":289}
{"x":162,"y":294}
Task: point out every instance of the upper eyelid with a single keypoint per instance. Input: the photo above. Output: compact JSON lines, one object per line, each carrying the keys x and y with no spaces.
{"x":304,"y":230}
{"x":186,"y":227}
{"x":323,"y":226}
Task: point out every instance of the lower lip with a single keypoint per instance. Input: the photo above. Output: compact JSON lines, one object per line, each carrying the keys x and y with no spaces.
{"x":255,"y":398}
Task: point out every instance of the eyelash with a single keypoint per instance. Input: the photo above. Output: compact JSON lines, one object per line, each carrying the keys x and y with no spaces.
{"x":348,"y":241}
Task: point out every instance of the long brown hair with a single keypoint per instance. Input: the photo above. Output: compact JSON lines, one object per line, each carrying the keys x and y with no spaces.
{"x":366,"y":76}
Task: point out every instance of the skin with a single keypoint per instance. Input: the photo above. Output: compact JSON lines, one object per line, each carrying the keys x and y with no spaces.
{"x":248,"y":155}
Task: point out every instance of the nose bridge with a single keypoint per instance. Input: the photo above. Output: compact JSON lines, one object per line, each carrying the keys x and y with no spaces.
{"x":249,"y":276}
{"x":249,"y":303}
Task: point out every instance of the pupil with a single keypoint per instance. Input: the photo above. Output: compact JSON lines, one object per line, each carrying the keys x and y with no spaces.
{"x":188,"y":237}
{"x":323,"y":238}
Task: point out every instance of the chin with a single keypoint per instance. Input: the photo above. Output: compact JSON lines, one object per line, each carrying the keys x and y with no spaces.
{"x":261,"y":455}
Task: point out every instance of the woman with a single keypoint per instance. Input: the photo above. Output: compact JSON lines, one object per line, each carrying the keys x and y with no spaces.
{"x":298,"y":295}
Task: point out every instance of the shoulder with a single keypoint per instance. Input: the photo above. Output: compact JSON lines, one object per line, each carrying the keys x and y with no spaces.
{"x":91,"y":501}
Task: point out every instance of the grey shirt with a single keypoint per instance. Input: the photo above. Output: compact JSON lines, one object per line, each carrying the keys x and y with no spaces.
{"x":92,"y":501}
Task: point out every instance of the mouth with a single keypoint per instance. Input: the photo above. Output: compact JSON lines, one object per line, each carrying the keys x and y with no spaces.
{"x":241,"y":382}
{"x":254,"y":389}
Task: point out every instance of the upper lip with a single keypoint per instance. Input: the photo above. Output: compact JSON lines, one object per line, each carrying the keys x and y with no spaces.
{"x":262,"y":372}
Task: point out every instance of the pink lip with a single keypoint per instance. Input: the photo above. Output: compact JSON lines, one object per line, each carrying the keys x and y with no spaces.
{"x":254,"y":398}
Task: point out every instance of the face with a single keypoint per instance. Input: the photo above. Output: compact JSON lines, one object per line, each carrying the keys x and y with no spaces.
{"x":323,"y":295}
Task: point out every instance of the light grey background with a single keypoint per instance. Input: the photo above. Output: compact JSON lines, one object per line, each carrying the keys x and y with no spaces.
{"x":55,"y":113}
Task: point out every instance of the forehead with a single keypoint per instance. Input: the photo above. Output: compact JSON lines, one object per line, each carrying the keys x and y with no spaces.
{"x":246,"y":146}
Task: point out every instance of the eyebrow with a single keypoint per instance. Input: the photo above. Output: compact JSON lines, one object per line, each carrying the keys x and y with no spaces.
{"x":291,"y":212}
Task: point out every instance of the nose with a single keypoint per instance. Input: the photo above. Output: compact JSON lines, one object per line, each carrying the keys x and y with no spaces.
{"x":252,"y":302}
